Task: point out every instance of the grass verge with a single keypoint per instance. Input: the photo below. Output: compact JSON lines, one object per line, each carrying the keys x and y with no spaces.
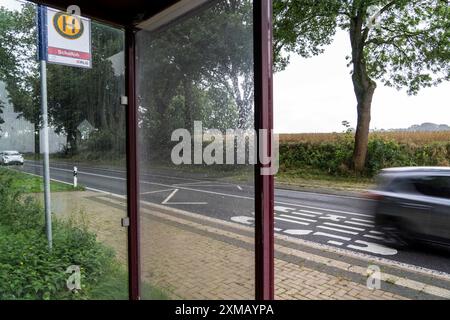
{"x":315,"y":179}
{"x":27,"y":183}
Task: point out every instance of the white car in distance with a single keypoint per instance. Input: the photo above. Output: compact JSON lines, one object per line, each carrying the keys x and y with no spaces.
{"x":10,"y":158}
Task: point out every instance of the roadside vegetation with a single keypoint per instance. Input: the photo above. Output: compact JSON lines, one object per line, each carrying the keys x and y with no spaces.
{"x":28,"y":270}
{"x":408,"y":137}
{"x":316,"y":160}
{"x":27,"y":183}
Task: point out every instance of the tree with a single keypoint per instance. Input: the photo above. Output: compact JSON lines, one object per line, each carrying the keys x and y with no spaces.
{"x":74,"y":94}
{"x":400,"y":43}
{"x":18,"y":67}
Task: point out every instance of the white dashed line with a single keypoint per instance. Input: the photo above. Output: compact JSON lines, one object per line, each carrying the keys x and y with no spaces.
{"x":330,"y":235}
{"x":303,"y":214}
{"x":362,"y":220}
{"x":336,"y":243}
{"x":293,"y":221}
{"x":341,"y":226}
{"x":360,"y":224}
{"x":338,"y":230}
{"x":297,"y":218}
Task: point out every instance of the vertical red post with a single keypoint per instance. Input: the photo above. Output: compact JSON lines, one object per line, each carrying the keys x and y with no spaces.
{"x":264,"y":185}
{"x":132,"y":166}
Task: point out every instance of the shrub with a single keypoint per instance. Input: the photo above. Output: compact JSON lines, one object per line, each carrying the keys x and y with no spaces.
{"x":28,"y":270}
{"x":334,"y":157}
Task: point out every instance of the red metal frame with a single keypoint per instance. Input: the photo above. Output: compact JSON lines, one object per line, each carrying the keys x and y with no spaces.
{"x":132,"y":166}
{"x":264,"y":185}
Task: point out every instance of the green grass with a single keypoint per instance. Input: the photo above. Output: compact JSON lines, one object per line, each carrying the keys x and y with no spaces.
{"x":316,"y":179}
{"x":115,"y":287}
{"x":27,"y":183}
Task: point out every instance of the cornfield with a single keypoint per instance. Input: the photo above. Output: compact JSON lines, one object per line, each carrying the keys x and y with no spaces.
{"x":413,"y":138}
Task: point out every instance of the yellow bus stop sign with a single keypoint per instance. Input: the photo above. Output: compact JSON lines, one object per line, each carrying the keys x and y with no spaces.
{"x":68,"y":26}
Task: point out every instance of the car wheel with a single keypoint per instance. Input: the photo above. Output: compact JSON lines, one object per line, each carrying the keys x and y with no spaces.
{"x":395,"y":236}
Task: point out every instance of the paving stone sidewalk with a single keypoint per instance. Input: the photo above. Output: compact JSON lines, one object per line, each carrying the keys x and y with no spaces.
{"x":193,"y":257}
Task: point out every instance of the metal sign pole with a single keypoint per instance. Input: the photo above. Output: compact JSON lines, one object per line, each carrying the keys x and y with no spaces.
{"x":42,"y":21}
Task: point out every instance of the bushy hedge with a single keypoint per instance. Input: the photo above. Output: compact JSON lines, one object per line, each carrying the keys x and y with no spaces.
{"x":28,"y":270}
{"x":335,"y":157}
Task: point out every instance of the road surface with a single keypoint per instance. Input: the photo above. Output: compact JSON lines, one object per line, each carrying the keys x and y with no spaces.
{"x":335,"y":220}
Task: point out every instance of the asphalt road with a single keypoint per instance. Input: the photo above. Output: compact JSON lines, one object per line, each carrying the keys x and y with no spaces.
{"x":336,"y":220}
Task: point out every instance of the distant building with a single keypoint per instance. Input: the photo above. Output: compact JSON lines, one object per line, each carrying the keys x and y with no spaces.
{"x":18,"y":133}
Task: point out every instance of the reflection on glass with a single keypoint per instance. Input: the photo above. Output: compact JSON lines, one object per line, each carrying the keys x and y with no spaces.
{"x":87,"y":131}
{"x":195,"y":85}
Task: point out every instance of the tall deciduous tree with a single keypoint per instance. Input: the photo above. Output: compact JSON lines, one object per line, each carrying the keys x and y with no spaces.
{"x":400,"y":43}
{"x":18,"y":67}
{"x":74,"y":94}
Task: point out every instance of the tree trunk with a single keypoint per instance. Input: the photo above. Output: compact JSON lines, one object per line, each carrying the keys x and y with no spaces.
{"x":364,"y":88}
{"x":364,"y":99}
{"x":189,"y":111}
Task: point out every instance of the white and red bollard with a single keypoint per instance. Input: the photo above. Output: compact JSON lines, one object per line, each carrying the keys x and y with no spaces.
{"x":75,"y":179}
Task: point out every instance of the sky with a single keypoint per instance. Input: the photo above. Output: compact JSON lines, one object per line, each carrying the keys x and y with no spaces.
{"x":316,"y":95}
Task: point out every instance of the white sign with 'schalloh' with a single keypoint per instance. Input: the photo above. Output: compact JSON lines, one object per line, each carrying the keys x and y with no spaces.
{"x":68,"y":39}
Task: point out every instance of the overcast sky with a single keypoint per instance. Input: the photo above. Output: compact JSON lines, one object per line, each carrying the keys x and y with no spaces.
{"x":316,"y":95}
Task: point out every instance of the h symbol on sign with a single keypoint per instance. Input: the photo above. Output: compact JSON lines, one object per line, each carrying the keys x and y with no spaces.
{"x":72,"y":25}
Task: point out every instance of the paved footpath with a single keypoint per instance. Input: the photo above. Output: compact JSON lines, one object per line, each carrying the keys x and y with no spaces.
{"x":195,"y":257}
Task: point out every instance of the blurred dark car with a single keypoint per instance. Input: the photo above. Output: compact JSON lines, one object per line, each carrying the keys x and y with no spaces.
{"x":413,"y":203}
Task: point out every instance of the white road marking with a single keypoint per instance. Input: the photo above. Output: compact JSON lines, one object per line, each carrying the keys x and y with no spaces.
{"x":375,"y":232}
{"x":360,"y":224}
{"x":313,"y":212}
{"x":157,"y":191}
{"x":325,"y":209}
{"x":243,"y":219}
{"x":336,"y":243}
{"x":166,"y":201}
{"x":373,"y":248}
{"x":362,"y":220}
{"x":297,"y":218}
{"x":337,"y":230}
{"x":303,"y":214}
{"x":282,"y":209}
{"x":293,"y":221}
{"x":330,"y":235}
{"x":337,"y":196}
{"x":342,"y":226}
{"x":297,"y":232}
{"x":332,"y":217}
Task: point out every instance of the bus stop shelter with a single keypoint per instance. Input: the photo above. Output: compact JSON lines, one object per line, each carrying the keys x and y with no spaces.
{"x":135,"y":16}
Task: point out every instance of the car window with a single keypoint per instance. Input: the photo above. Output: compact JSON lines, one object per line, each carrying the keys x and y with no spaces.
{"x":434,"y":186}
{"x":402,"y":185}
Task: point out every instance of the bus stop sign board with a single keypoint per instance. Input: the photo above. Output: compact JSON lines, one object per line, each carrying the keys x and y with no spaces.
{"x":68,"y":39}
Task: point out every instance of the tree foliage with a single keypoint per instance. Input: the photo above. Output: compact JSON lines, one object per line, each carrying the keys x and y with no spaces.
{"x":399,"y":43}
{"x":405,"y":43}
{"x":198,"y":68}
